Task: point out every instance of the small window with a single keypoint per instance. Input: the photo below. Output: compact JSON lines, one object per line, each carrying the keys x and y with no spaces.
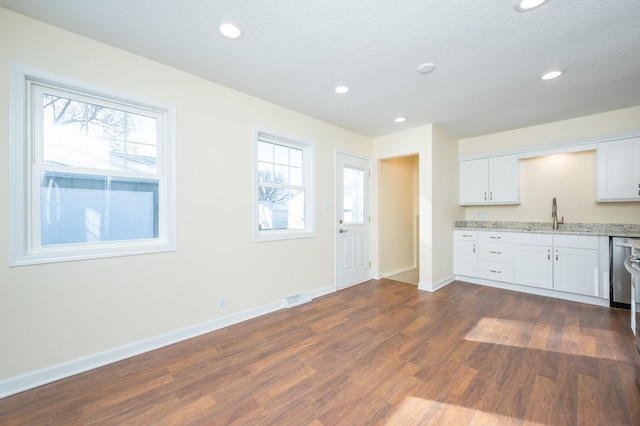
{"x":93,"y":175}
{"x":284,"y":181}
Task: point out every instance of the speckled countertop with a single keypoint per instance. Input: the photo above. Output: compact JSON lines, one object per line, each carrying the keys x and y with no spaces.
{"x":607,"y":229}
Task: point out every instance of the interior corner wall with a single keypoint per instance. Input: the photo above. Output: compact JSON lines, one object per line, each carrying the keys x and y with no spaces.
{"x":53,"y":314}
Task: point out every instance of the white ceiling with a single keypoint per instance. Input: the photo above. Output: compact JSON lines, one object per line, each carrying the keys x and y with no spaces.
{"x":488,"y":56}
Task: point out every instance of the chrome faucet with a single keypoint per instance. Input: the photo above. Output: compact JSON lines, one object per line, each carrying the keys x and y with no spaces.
{"x":554,"y":215}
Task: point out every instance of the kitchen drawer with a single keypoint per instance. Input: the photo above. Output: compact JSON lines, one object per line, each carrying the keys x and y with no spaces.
{"x":495,"y":237}
{"x":497,"y":271}
{"x":576,"y":241}
{"x":466,"y":235}
{"x":495,"y":252}
{"x":533,"y":239}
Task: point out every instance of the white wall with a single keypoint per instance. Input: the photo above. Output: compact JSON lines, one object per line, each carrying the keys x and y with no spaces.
{"x":446,"y":209}
{"x":571,"y":178}
{"x":56,"y":313}
{"x":438,"y":189}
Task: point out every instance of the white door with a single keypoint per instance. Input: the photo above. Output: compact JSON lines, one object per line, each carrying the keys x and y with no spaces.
{"x":352,"y":211}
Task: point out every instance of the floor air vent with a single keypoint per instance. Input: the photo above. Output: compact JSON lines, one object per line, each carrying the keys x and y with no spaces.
{"x":297,"y":299}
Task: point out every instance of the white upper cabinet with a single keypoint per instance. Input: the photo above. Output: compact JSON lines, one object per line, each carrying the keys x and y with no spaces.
{"x":489,"y":180}
{"x":619,"y":170}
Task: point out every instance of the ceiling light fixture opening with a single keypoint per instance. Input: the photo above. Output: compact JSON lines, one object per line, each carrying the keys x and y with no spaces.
{"x":526,"y":5}
{"x":400,"y":119}
{"x":341,"y":90}
{"x":550,"y":75}
{"x":231,"y":30}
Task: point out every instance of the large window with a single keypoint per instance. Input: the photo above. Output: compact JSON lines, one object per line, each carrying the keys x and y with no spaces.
{"x":92,"y":171}
{"x":283,"y":196}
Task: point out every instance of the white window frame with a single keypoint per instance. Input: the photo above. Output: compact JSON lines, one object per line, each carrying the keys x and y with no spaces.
{"x":25,"y":213}
{"x":308,"y":148}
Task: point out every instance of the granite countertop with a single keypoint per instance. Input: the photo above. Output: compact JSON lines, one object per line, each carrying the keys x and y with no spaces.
{"x":598,"y":229}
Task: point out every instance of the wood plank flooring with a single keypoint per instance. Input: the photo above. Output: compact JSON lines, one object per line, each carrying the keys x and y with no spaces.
{"x":379,"y":353}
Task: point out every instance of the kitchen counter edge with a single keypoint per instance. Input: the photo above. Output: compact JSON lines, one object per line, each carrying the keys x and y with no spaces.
{"x":595,"y":229}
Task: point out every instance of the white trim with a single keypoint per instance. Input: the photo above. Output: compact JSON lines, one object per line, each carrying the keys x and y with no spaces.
{"x":22,"y":250}
{"x":323,"y":291}
{"x":435,"y":286}
{"x":591,"y":300}
{"x":574,"y":145}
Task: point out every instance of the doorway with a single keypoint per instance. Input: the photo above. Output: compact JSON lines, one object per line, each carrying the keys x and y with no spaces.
{"x":399,"y":219}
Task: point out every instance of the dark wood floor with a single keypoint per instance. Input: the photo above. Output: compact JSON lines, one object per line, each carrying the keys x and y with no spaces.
{"x":381,"y":352}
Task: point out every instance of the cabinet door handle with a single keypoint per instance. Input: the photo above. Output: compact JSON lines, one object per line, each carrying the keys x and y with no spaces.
{"x":556,"y":254}
{"x":491,"y":196}
{"x":474,"y":247}
{"x":494,"y":271}
{"x":466,"y":235}
{"x":495,"y":238}
{"x":549,"y":254}
{"x":485,"y":196}
{"x":495,"y":252}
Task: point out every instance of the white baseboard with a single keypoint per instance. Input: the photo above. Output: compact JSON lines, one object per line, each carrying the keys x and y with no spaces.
{"x":51,"y":374}
{"x":436,"y":286}
{"x":323,"y":291}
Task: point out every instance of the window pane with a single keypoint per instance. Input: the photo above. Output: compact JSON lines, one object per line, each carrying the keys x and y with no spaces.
{"x":281,"y":174}
{"x":281,"y":154}
{"x":295,"y":176}
{"x":265,"y":152}
{"x":280,"y":209}
{"x":86,"y":209}
{"x":81,"y":134}
{"x":265,"y":172}
{"x":353,"y":203}
{"x":295,"y":157}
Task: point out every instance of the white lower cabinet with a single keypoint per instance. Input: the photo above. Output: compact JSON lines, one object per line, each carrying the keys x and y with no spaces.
{"x":534,"y":267}
{"x":575,"y":267}
{"x":466,"y":253}
{"x":561,"y":262}
{"x":495,"y":256}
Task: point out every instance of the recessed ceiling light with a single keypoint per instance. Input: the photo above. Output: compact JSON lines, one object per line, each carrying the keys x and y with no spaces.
{"x":426,"y":67}
{"x":230,"y":30}
{"x":525,"y":5}
{"x":341,"y":90}
{"x":400,"y":119}
{"x":550,"y":75}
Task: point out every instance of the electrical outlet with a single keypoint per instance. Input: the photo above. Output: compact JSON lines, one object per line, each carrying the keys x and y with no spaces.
{"x":222,"y":302}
